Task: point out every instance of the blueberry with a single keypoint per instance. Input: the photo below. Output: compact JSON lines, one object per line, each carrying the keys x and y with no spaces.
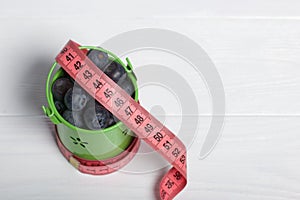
{"x":99,"y":58}
{"x":116,"y":120}
{"x":60,"y":106}
{"x":76,"y":98}
{"x":74,"y":118}
{"x":66,"y":75}
{"x":60,"y":87}
{"x":112,"y":120}
{"x":96,"y":116}
{"x":115,"y":71}
{"x":127,"y":85}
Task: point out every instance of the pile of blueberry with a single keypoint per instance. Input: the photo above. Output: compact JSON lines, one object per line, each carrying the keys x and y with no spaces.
{"x":77,"y":106}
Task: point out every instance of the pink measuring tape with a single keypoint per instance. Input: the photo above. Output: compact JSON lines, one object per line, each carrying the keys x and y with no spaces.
{"x":132,"y":114}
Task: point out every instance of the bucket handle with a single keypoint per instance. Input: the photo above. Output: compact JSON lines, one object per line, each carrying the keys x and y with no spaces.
{"x":47,"y":110}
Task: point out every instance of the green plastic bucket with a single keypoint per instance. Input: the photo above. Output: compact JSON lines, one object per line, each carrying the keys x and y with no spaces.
{"x":90,"y":144}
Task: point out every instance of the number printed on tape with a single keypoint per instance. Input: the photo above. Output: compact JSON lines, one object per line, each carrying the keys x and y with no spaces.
{"x":131,"y":113}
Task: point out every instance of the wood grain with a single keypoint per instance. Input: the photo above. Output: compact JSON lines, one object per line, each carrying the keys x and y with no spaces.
{"x":255,"y":47}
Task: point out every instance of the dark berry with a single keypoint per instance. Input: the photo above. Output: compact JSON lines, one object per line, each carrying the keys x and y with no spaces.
{"x":111,"y":120}
{"x":74,"y":118}
{"x":99,"y":58}
{"x":96,"y":116}
{"x":66,"y":75}
{"x":60,"y":106}
{"x":116,"y":120}
{"x":60,"y":87}
{"x":76,"y":98}
{"x":127,"y":85}
{"x":115,"y":71}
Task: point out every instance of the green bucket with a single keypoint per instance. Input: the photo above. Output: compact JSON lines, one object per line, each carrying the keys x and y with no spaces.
{"x":90,"y":144}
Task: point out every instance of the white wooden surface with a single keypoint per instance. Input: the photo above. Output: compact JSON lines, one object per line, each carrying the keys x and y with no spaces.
{"x":255,"y":47}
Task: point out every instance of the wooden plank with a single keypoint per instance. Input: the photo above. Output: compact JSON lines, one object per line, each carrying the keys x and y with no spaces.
{"x":256,"y":158}
{"x":256,"y":59}
{"x":139,"y":10}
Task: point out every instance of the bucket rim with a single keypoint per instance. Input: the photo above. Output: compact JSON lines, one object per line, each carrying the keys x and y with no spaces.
{"x":59,"y":118}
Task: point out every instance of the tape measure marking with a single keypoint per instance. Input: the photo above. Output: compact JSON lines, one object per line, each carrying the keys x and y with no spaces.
{"x":134,"y":116}
{"x":100,"y":167}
